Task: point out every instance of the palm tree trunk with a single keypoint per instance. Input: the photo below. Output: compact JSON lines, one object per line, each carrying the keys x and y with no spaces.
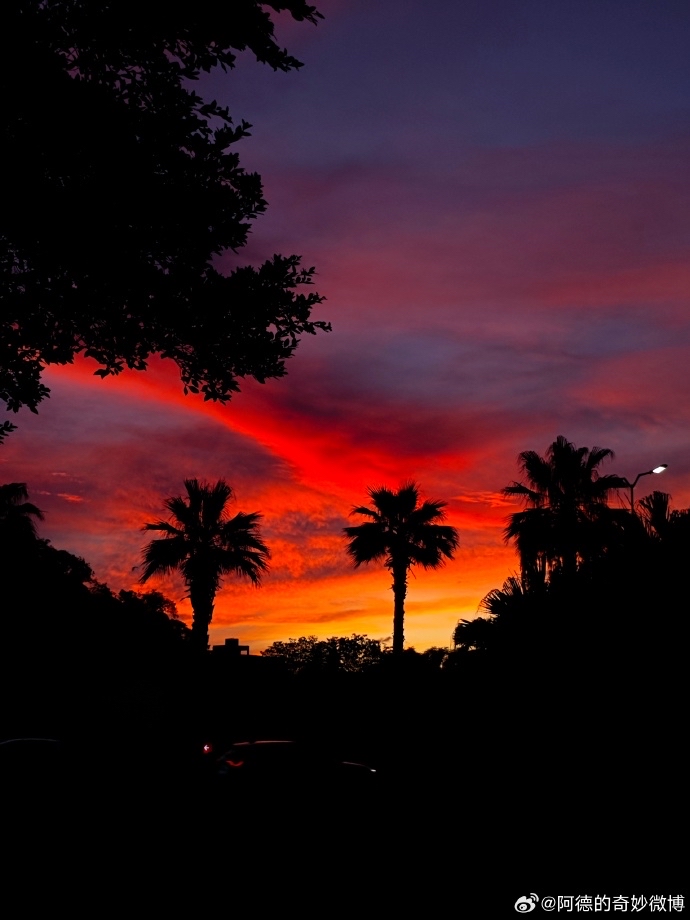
{"x":202,"y":612}
{"x":399,"y":593}
{"x":569,"y":559}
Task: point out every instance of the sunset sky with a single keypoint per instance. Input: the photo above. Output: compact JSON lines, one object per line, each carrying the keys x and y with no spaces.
{"x":496,"y":197}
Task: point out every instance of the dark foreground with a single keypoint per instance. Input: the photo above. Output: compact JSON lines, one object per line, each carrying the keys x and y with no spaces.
{"x":554,"y":785}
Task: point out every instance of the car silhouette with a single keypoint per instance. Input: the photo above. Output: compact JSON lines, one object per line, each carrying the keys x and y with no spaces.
{"x":286,"y":762}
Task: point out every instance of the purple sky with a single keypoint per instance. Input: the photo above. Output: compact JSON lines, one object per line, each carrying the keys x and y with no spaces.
{"x":496,"y":197}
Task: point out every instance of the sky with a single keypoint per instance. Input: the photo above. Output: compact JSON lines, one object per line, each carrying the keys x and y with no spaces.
{"x":496,"y":198}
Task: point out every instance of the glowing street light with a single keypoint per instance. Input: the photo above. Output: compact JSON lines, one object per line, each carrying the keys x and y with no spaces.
{"x":631,"y":485}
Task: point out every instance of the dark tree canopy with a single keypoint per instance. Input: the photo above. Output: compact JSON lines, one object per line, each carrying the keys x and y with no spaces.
{"x":52,"y":606}
{"x":339,"y":653}
{"x":121,"y":185}
{"x":567,"y":520}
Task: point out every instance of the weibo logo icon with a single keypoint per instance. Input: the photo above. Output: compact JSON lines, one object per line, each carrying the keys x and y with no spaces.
{"x":526,"y":904}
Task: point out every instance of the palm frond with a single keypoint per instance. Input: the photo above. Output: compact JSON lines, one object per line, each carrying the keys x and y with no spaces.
{"x":214,"y":503}
{"x":16,"y":513}
{"x":13,"y":496}
{"x":536,"y":469}
{"x":407,"y":498}
{"x":182,"y":512}
{"x":162,"y":557}
{"x":165,"y":527}
{"x":604,"y":485}
{"x":384,"y":501}
{"x":597,"y":455}
{"x":370,"y":512}
{"x":369,"y":542}
{"x":531,"y":496}
{"x":245,"y":563}
{"x":655,"y":510}
{"x":474,"y":634}
{"x":428,"y":513}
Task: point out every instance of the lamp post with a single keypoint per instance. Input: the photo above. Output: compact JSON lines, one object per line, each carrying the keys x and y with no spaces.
{"x":631,"y":485}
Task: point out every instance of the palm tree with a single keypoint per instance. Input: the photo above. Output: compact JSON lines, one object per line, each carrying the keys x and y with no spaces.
{"x":17,"y":527}
{"x":656,"y":515}
{"x":401,"y":532}
{"x":204,"y":543}
{"x":567,"y":517}
{"x":474,"y":635}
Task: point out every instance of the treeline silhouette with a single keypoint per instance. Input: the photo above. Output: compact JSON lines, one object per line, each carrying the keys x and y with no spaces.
{"x":557,"y":710}
{"x":597,"y":583}
{"x":73,"y":653}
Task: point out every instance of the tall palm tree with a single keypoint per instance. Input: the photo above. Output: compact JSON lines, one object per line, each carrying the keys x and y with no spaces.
{"x":401,"y":532}
{"x":204,"y":543}
{"x":17,"y":527}
{"x":567,"y":515}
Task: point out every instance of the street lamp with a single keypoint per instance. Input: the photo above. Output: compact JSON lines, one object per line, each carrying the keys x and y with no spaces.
{"x":631,"y":485}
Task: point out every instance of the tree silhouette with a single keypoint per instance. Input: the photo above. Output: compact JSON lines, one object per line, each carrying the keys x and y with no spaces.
{"x":348,"y":654}
{"x":517,"y":616}
{"x":656,"y":515}
{"x":402,"y":533}
{"x":474,"y":635}
{"x":567,"y":519}
{"x":126,"y":187}
{"x":667,"y":538}
{"x":17,"y":527}
{"x":204,"y":543}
